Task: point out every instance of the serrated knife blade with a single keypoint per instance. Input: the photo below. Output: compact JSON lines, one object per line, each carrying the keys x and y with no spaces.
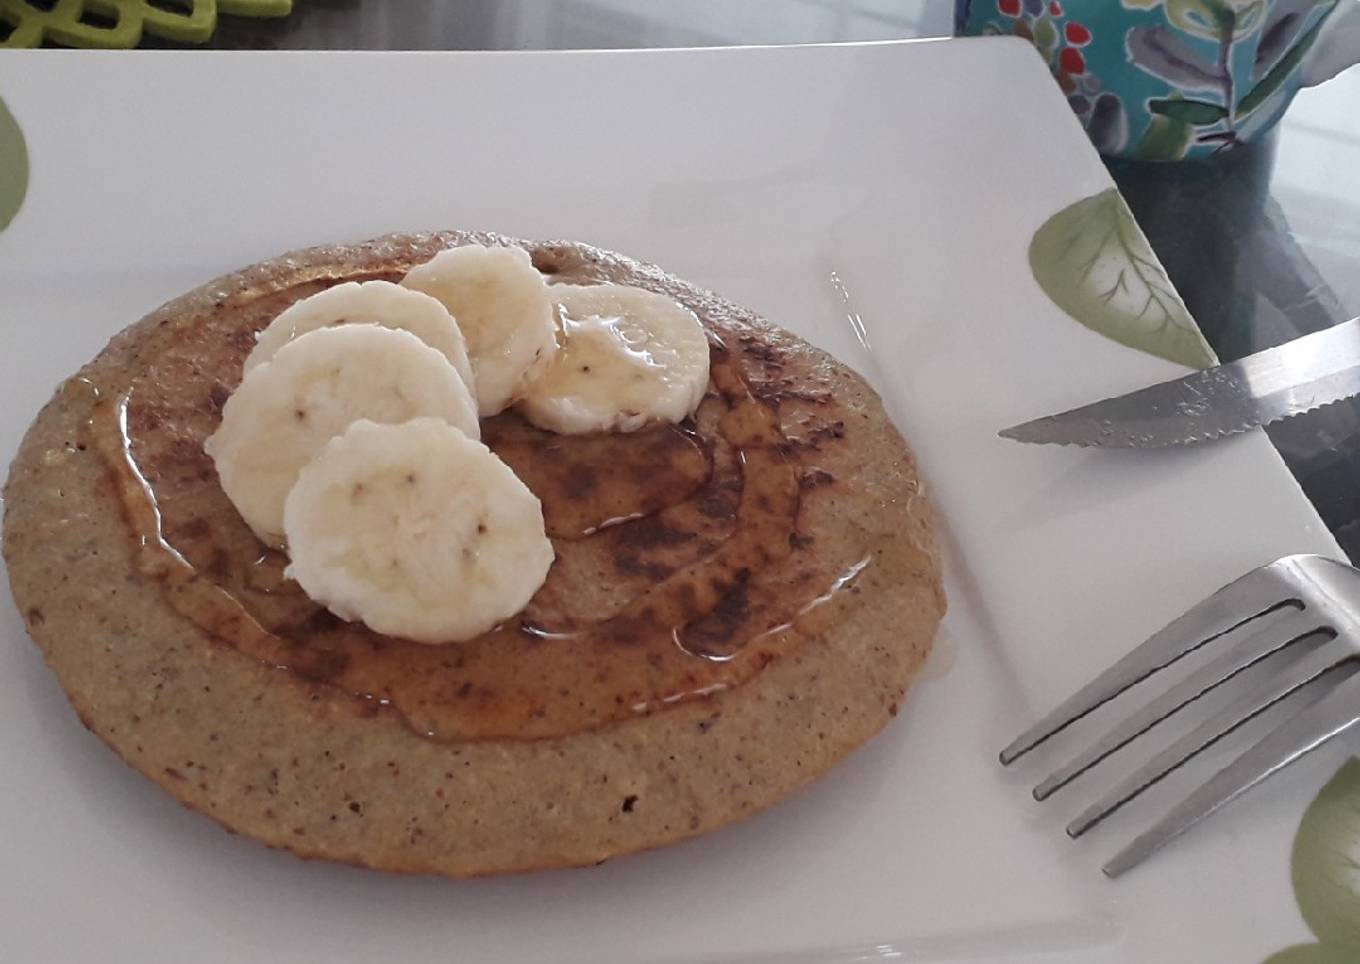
{"x":1277,"y":383}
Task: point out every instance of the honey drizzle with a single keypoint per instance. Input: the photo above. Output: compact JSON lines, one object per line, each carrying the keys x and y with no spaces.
{"x":633,"y":662}
{"x":187,"y":591}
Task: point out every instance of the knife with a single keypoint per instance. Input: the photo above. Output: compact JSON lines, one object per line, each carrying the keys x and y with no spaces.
{"x":1277,"y":383}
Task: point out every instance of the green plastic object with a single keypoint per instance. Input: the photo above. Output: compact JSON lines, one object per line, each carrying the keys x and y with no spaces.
{"x":121,"y":23}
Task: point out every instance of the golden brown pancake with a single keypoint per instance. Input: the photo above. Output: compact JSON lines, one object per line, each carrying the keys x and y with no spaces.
{"x":737,"y":602}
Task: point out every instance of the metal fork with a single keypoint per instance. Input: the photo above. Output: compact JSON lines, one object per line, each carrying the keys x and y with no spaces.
{"x":1287,"y":627}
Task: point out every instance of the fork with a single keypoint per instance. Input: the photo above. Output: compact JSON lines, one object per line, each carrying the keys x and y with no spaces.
{"x":1292,"y":626}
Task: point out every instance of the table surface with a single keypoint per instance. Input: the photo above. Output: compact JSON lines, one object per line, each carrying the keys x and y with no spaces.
{"x":1264,"y":244}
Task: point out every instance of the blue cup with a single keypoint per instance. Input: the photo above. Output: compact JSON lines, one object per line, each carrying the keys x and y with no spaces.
{"x":1166,"y":80}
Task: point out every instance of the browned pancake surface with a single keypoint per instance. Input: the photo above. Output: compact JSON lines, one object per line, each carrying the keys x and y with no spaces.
{"x":736,"y":602}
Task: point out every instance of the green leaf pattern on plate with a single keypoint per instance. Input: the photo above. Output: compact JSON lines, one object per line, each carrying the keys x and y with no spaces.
{"x":1313,"y":954}
{"x":1325,"y":867}
{"x":13,"y":167}
{"x":1326,"y":862}
{"x":1094,"y":262}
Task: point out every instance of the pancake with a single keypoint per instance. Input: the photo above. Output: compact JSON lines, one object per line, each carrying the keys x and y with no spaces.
{"x":737,"y":602}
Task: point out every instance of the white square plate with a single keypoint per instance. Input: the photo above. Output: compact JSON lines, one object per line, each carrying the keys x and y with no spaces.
{"x":896,"y":185}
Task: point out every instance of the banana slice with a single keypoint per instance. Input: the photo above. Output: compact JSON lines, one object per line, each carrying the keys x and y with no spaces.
{"x":416,"y":530}
{"x":502,"y":306}
{"x":628,"y":357}
{"x":286,"y":409}
{"x":372,"y":302}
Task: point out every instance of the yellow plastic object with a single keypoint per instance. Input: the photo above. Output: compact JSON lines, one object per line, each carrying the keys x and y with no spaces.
{"x":121,"y":23}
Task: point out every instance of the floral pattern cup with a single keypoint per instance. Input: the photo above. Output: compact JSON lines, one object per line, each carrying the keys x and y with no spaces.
{"x":1171,"y":79}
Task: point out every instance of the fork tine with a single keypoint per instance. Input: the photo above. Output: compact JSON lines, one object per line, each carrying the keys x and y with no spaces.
{"x":1276,"y":687}
{"x":1273,"y":636}
{"x":1237,"y":603}
{"x":1310,"y":728}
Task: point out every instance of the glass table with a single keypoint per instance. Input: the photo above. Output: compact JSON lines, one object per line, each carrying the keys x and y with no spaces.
{"x":1263,"y":243}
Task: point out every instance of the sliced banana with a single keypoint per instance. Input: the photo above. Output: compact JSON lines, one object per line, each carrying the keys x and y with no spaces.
{"x":367,"y":302}
{"x":628,"y":357}
{"x":287,"y":408}
{"x":416,"y":530}
{"x":502,"y":306}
